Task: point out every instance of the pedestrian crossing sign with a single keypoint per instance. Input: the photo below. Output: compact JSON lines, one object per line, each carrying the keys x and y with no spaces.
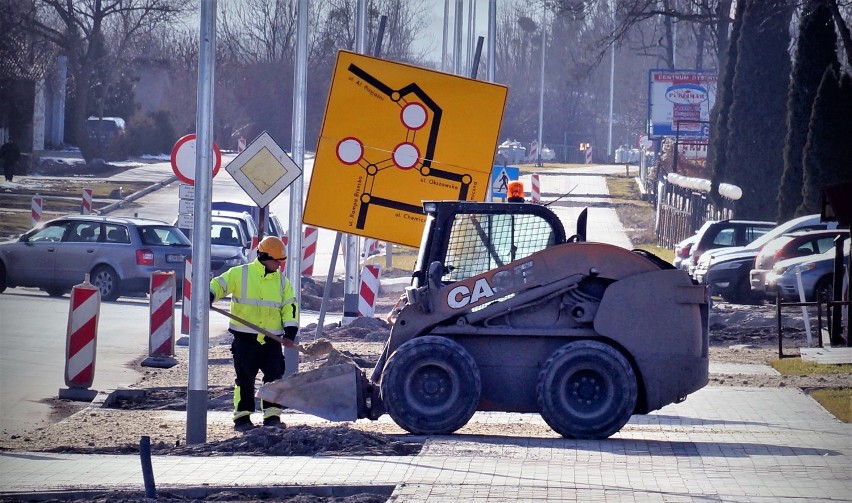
{"x":500,"y":178}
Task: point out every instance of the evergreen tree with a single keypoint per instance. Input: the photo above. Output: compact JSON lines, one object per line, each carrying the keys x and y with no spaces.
{"x":757,"y":120}
{"x":716,"y":150}
{"x":845,"y":133}
{"x":827,"y":152}
{"x":815,"y":51}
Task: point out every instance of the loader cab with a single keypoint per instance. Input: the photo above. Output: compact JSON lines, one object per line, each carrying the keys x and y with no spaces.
{"x":470,"y":238}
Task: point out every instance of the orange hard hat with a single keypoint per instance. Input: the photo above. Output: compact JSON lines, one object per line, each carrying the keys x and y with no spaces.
{"x":273,"y":247}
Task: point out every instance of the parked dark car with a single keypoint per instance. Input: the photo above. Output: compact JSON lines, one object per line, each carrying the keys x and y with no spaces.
{"x":118,"y":253}
{"x":787,"y":246}
{"x":725,"y":234}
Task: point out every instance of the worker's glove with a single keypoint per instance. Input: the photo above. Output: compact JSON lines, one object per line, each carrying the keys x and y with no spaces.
{"x":212,"y":298}
{"x":291,"y":332}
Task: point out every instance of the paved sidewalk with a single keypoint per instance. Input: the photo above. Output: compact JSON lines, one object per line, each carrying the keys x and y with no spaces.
{"x":577,"y":188}
{"x":722,"y":444}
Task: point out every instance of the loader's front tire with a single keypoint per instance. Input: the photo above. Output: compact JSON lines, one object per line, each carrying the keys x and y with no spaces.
{"x":431,"y":386}
{"x":587,"y":389}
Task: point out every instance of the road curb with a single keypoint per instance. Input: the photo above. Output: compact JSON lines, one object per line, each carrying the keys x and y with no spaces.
{"x":136,"y":195}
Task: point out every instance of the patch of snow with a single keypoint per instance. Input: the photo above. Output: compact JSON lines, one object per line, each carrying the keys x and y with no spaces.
{"x":63,"y":160}
{"x":128,"y":164}
{"x":157,"y":157}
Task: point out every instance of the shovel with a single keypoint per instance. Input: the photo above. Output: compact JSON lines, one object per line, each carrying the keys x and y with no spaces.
{"x":286,"y":342}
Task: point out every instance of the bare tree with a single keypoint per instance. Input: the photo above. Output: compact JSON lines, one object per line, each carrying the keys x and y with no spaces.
{"x":94,"y":34}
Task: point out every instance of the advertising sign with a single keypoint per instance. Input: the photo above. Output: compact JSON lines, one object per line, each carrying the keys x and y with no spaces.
{"x":679,"y":102}
{"x":395,"y":135}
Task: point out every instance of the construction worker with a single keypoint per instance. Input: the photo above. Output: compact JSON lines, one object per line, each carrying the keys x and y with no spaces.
{"x":263,"y":296}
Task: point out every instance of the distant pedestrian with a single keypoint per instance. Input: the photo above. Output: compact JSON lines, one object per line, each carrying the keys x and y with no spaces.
{"x":10,"y":154}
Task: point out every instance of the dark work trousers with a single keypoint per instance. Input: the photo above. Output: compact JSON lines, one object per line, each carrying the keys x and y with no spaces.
{"x":249,"y":357}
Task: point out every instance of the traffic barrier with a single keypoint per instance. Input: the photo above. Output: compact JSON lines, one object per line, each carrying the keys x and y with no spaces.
{"x":589,"y":154}
{"x":369,"y":290}
{"x":161,"y":339}
{"x":241,"y":144}
{"x":371,"y":247}
{"x":536,"y":188}
{"x":81,"y":342}
{"x":86,"y":205}
{"x":37,"y":210}
{"x":187,"y":293}
{"x":309,"y":250}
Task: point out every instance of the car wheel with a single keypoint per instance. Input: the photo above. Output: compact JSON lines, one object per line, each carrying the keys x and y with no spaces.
{"x":587,"y":389}
{"x":824,"y":288}
{"x":56,"y":292}
{"x":431,"y":386}
{"x":107,"y":281}
{"x":2,"y":278}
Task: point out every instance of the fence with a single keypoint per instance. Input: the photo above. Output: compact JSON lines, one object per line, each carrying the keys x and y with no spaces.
{"x":683,"y":206}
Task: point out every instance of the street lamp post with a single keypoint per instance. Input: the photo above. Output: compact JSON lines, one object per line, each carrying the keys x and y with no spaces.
{"x":541,"y":90}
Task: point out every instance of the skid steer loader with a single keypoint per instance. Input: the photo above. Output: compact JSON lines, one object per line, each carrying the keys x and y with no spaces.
{"x":504,"y":313}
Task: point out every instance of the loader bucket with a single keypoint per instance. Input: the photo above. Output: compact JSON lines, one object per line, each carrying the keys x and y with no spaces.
{"x":328,"y":392}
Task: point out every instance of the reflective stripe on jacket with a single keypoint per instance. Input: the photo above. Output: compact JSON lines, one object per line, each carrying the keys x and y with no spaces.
{"x":267,"y":300}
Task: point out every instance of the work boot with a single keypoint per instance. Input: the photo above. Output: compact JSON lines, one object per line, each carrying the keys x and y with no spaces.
{"x":243,"y":424}
{"x":274,"y":421}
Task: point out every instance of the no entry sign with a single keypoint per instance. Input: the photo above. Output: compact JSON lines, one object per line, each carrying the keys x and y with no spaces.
{"x":183,"y":159}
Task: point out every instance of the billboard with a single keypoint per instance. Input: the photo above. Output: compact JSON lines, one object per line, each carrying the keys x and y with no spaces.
{"x":679,"y":102}
{"x":395,"y":135}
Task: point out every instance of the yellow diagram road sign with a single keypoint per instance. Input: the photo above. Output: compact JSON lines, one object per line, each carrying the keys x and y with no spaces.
{"x":395,"y":135}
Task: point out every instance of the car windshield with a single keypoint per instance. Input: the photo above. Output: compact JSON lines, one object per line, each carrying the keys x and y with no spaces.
{"x":162,"y":235}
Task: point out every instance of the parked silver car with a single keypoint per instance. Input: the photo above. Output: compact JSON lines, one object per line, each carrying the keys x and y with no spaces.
{"x":118,"y":253}
{"x":229,"y":246}
{"x":817,"y":272}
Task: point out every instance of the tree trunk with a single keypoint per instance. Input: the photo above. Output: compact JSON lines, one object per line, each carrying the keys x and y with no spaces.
{"x":843,"y":29}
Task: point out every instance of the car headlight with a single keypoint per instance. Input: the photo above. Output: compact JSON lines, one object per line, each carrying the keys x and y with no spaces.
{"x":728,"y":265}
{"x":231,"y":262}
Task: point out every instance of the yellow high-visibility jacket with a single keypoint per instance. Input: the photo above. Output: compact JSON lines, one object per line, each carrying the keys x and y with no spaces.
{"x":267,"y":300}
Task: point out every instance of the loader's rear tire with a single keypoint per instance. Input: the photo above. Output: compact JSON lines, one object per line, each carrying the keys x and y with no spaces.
{"x":431,"y":386}
{"x":587,"y":389}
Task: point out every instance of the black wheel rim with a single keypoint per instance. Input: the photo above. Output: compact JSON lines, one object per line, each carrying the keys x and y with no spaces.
{"x":431,"y":387}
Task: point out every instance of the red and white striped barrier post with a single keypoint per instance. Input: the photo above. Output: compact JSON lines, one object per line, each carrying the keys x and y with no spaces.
{"x":371,"y":247}
{"x":37,"y":210}
{"x":536,"y":188}
{"x":309,"y":250}
{"x":187,"y":295}
{"x":369,"y":290}
{"x":81,"y":342}
{"x":161,"y":341}
{"x":241,"y":144}
{"x":589,"y":154}
{"x":86,"y":204}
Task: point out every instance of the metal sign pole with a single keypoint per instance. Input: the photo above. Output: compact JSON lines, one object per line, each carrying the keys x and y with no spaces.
{"x":351,"y":280}
{"x":196,"y":404}
{"x":294,"y":245}
{"x":492,"y":35}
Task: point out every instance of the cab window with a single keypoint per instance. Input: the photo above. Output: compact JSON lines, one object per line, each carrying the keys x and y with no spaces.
{"x":481,"y":242}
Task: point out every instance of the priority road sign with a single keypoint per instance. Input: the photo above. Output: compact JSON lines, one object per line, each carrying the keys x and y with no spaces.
{"x":263,"y":170}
